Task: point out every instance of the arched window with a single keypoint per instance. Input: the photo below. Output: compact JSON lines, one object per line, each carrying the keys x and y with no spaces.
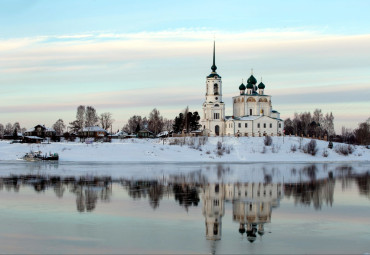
{"x":216,"y":105}
{"x":251,"y":99}
{"x":217,"y":130}
{"x":215,"y":89}
{"x":243,"y":99}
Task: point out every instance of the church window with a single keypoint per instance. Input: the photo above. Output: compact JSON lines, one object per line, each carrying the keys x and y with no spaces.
{"x":264,"y":125}
{"x":240,"y":125}
{"x":279,"y":125}
{"x":216,"y":116}
{"x":258,"y":125}
{"x":234,"y":100}
{"x":216,"y":105}
{"x":246,"y":125}
{"x":250,"y":111}
{"x":250,"y":207}
{"x":243,"y":99}
{"x":215,"y":89}
{"x":270,"y":125}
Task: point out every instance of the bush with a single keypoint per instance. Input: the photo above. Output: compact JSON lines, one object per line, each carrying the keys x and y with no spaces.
{"x":293,"y":148}
{"x":263,"y":150}
{"x":275,"y":149}
{"x":330,"y":145}
{"x":325,"y":153}
{"x":268,"y":140}
{"x":344,"y":149}
{"x":310,"y":148}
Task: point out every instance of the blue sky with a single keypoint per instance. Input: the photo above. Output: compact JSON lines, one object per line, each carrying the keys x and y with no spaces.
{"x":127,"y":57}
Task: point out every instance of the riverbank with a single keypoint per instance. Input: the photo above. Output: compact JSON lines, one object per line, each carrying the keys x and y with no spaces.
{"x":213,"y":149}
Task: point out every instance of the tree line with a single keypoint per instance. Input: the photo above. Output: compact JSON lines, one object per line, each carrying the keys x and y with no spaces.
{"x":316,"y":124}
{"x":319,"y":124}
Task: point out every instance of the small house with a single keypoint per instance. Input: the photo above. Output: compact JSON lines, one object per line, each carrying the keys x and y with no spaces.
{"x":145,"y":133}
{"x":95,"y":132}
{"x":40,"y":131}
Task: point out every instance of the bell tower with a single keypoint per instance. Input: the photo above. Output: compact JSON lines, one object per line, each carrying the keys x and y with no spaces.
{"x":213,"y":107}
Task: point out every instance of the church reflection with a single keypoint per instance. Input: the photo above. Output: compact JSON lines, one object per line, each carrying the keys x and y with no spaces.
{"x":252,"y":203}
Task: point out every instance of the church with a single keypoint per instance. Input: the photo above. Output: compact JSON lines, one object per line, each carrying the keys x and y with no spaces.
{"x":252,"y":109}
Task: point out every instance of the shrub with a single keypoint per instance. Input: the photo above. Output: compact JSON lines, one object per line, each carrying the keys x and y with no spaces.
{"x":330,"y":145}
{"x":203,"y":140}
{"x":263,"y":150}
{"x":310,"y":148}
{"x":293,"y":148}
{"x":268,"y":140}
{"x":344,"y":149}
{"x":275,"y":149}
{"x":325,"y":153}
{"x":219,"y":145}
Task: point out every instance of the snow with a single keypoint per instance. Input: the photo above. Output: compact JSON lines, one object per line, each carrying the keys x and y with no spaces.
{"x":94,"y":129}
{"x":235,"y":150}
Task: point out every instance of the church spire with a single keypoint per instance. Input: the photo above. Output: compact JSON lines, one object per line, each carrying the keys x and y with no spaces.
{"x":214,"y":67}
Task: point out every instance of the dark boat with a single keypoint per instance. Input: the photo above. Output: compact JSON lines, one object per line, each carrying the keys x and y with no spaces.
{"x":37,"y":156}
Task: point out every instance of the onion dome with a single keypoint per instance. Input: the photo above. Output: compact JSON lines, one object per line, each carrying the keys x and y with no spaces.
{"x":242,"y":86}
{"x":249,"y":85}
{"x":261,"y":85}
{"x":252,"y":80}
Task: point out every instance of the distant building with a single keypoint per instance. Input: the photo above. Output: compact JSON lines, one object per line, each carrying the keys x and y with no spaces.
{"x":94,"y":132}
{"x":40,"y":131}
{"x":145,"y":133}
{"x":252,"y":110}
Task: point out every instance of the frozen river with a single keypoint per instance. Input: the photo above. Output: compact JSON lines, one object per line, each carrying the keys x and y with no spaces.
{"x":184,"y":208}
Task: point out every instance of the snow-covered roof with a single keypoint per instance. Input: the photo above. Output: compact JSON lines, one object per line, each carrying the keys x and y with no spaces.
{"x":46,"y":129}
{"x":242,"y":118}
{"x":249,"y":118}
{"x":34,"y":137}
{"x":94,"y":129}
{"x":164,"y":133}
{"x":120,"y":133}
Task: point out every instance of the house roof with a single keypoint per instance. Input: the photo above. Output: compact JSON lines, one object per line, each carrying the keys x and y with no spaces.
{"x":94,"y":129}
{"x":46,"y":129}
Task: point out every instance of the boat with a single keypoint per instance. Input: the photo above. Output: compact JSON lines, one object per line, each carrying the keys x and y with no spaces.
{"x":38,"y":156}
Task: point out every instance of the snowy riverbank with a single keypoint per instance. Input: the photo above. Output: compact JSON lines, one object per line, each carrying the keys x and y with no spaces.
{"x":244,"y":149}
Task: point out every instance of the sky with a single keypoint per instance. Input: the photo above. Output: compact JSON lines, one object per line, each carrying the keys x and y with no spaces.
{"x":128,"y":57}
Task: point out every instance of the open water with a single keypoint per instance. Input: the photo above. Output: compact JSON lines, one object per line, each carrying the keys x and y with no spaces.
{"x":89,"y":208}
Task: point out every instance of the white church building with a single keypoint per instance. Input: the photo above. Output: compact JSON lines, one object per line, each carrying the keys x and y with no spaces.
{"x":252,"y":110}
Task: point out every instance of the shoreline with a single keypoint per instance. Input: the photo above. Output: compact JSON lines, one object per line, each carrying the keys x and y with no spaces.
{"x":220,"y":150}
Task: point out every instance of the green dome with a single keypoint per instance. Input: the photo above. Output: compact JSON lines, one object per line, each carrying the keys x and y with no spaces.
{"x":252,"y":80}
{"x":242,"y":87}
{"x":249,"y":85}
{"x":261,"y":85}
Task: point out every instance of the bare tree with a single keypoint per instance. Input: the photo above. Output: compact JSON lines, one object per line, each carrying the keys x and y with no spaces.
{"x":8,"y":129}
{"x":1,"y":131}
{"x":167,"y":125}
{"x":59,"y":127}
{"x":80,"y":116}
{"x":132,"y":124}
{"x":17,"y":126}
{"x":91,"y":117}
{"x":106,"y":120}
{"x":155,"y":121}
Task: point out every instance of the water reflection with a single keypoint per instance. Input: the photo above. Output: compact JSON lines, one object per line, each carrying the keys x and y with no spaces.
{"x":252,"y":202}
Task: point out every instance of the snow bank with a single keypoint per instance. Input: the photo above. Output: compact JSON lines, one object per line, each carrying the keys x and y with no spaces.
{"x":231,"y":149}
